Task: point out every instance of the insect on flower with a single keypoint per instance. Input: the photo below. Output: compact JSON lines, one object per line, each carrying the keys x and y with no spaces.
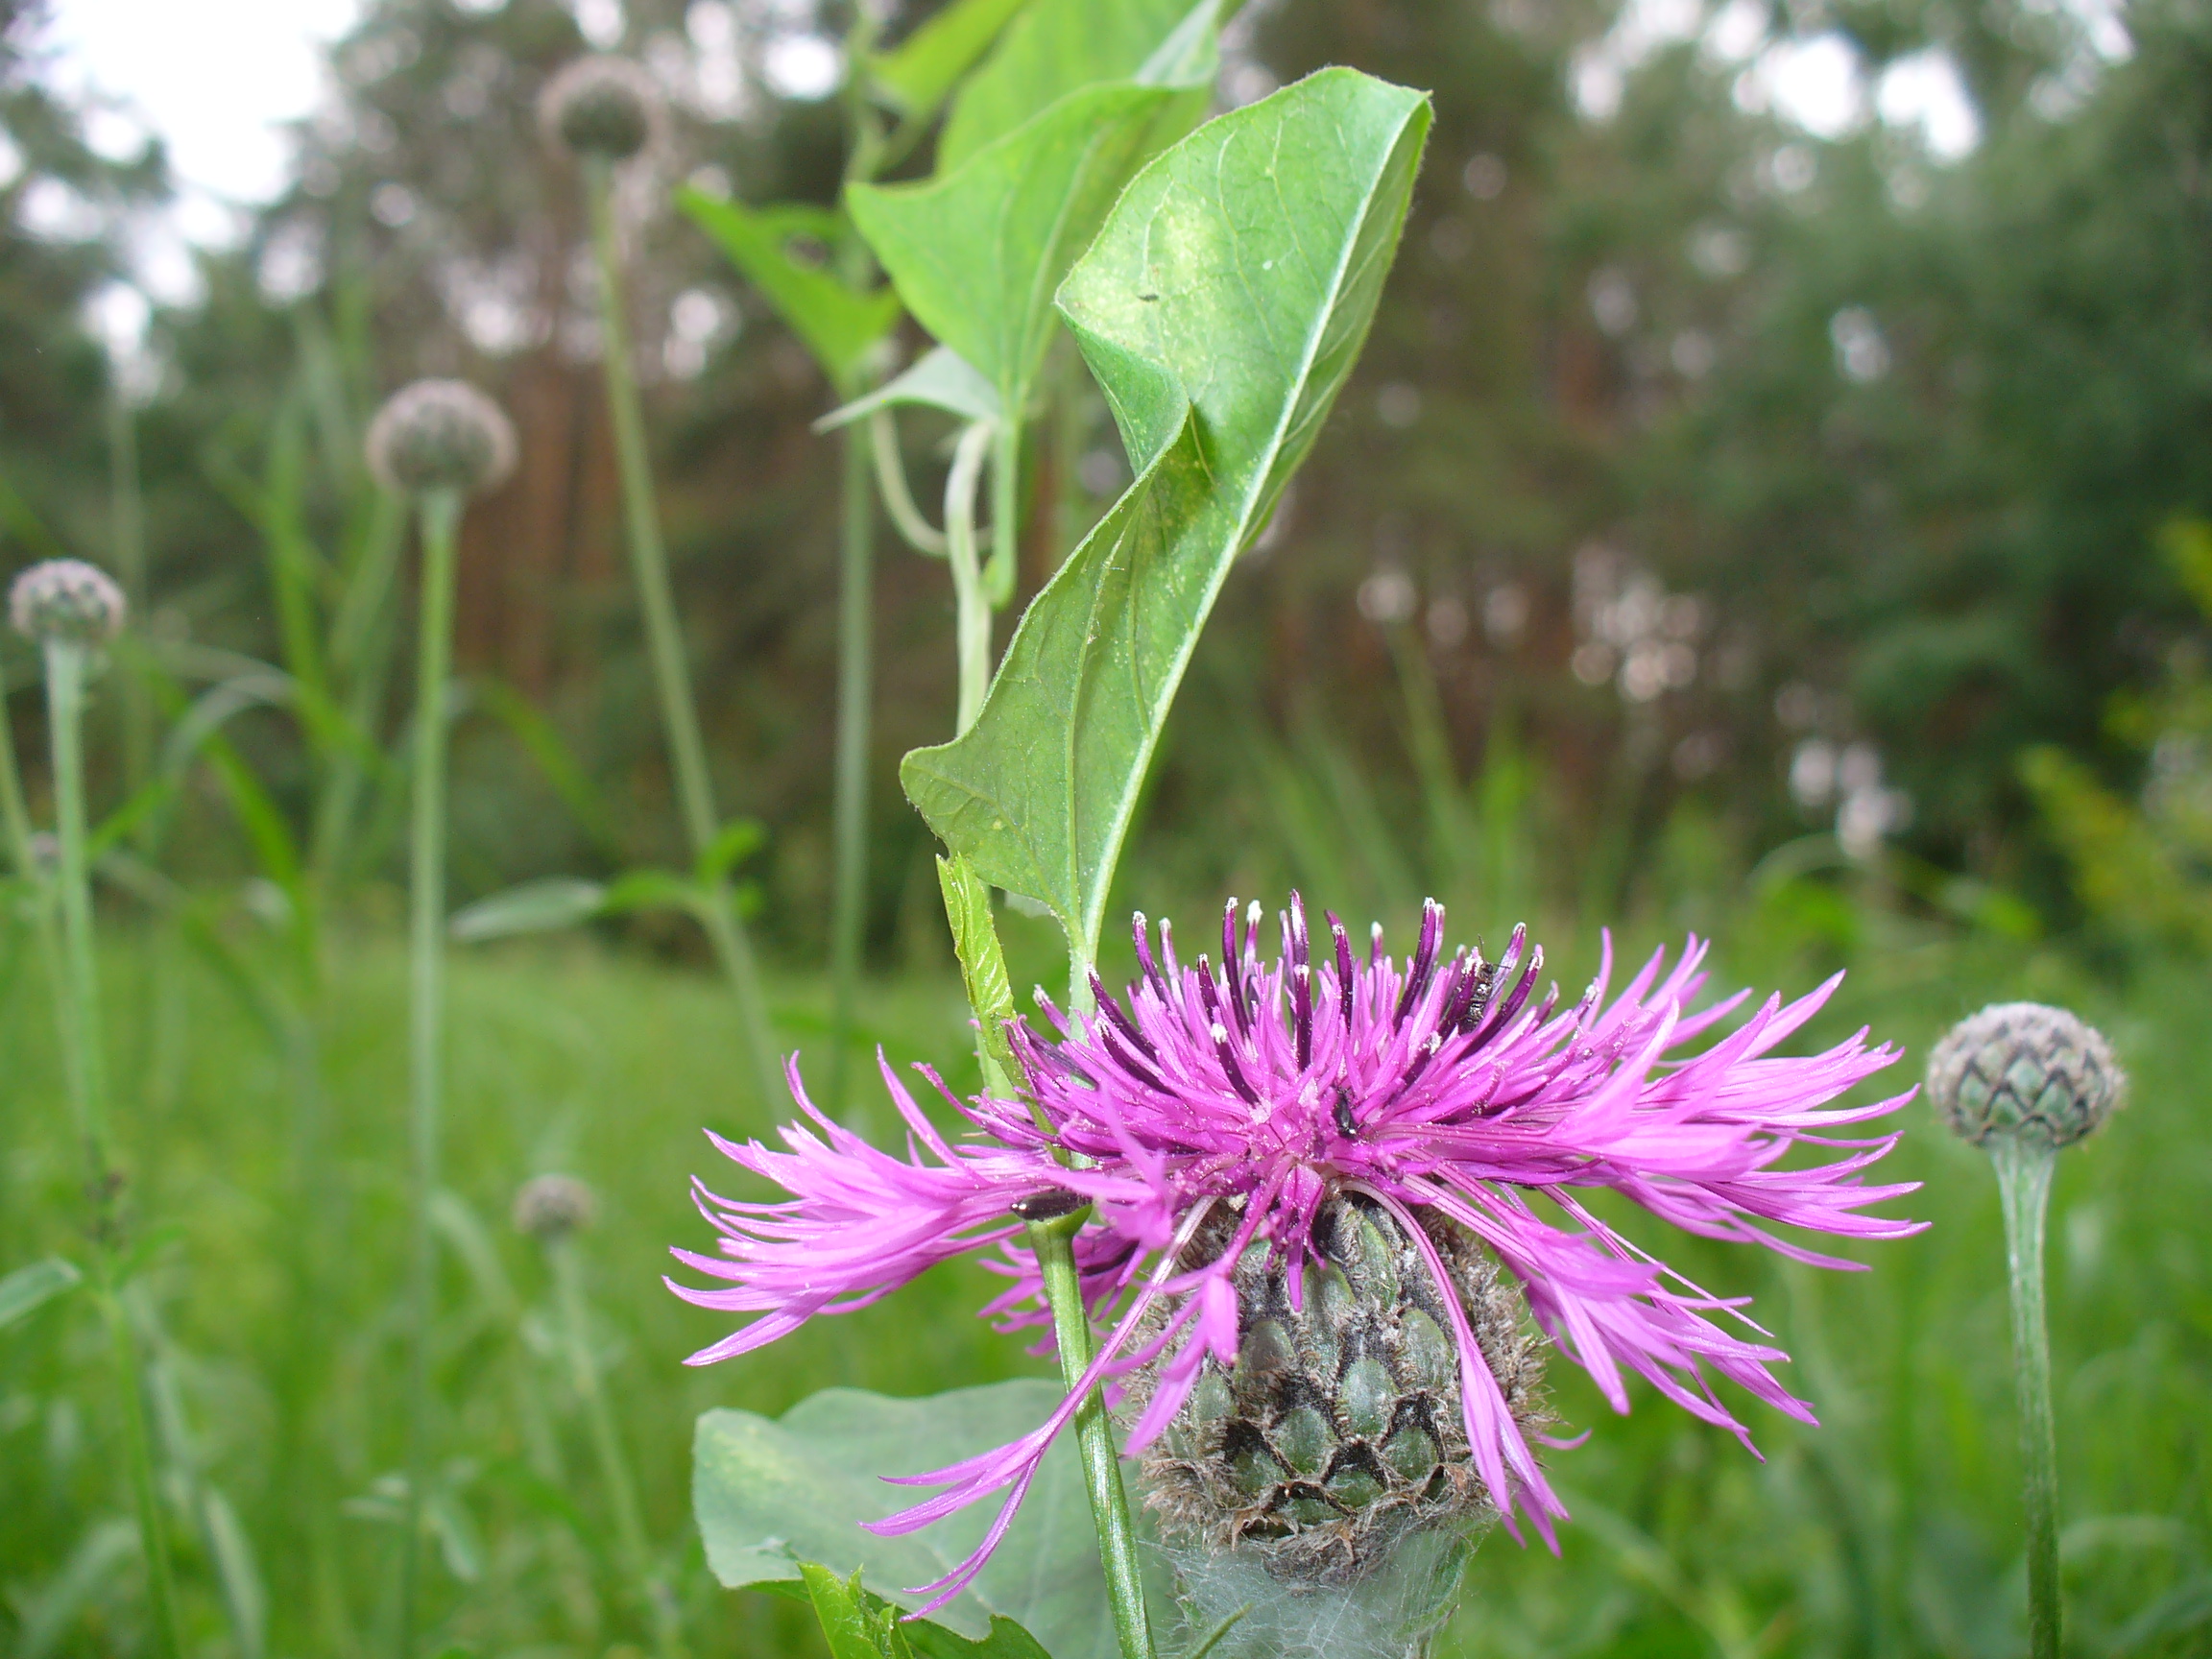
{"x":1403,"y":1146}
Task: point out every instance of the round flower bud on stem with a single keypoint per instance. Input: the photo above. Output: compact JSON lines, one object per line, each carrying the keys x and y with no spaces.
{"x":608,"y":108}
{"x":2027,"y":1072}
{"x":65,"y":601}
{"x":441,"y":434}
{"x":550,"y":1207}
{"x":1339,"y":1429}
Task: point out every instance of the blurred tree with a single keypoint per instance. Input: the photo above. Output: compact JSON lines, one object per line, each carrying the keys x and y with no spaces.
{"x":67,"y":210}
{"x":1844,"y":450}
{"x":1690,"y":444}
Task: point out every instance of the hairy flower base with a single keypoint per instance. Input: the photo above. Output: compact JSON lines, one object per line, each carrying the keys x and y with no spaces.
{"x":1252,"y":1096}
{"x":1339,"y":1429}
{"x":1389,"y":1612}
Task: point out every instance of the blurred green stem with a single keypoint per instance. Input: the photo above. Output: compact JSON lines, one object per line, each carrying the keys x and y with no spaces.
{"x":891,"y":484}
{"x":607,"y":1445}
{"x":856,"y":628}
{"x":865,"y":156}
{"x":1054,"y":1243}
{"x":77,"y":993}
{"x":2023,"y":1183}
{"x":361,"y":639}
{"x":22,"y":855}
{"x":440,"y":515}
{"x":656,"y":598}
{"x":971,"y":602}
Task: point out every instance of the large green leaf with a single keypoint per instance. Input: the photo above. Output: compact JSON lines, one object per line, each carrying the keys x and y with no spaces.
{"x":838,"y":326}
{"x":977,"y":253}
{"x":919,"y":73}
{"x":1053,"y":48}
{"x":1220,"y":308}
{"x":771,"y":1494}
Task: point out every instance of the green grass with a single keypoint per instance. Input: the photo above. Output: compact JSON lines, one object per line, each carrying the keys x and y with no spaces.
{"x":1893,"y":1529}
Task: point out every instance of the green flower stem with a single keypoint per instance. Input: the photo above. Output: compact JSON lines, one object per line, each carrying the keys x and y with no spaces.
{"x":607,"y":1447}
{"x":1054,"y":1245}
{"x":855,"y":600}
{"x":855,"y":665}
{"x":76,"y":989}
{"x":971,"y":600}
{"x":656,"y":598}
{"x":2023,"y":1183}
{"x":898,"y":496}
{"x":15,"y":816}
{"x":66,"y":665}
{"x":440,"y":515}
{"x":361,"y":641}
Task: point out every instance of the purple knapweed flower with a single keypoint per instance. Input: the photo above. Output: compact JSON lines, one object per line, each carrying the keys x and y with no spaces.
{"x":1257,"y":1093}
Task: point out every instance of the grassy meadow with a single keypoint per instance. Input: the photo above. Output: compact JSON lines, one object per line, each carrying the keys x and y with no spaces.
{"x":1802,"y":539}
{"x":270,"y":1297}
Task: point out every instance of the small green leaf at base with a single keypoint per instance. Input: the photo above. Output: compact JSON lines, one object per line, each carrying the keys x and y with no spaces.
{"x":858,"y":1624}
{"x":854,"y":1624}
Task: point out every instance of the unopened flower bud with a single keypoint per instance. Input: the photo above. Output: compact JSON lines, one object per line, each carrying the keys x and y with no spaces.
{"x":605,"y":107}
{"x":441,"y":434}
{"x":1340,"y":1431}
{"x":2025,"y":1071}
{"x":65,"y":600}
{"x":551,"y":1206}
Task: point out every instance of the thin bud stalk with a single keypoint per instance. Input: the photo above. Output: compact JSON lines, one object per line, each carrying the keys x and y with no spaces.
{"x":656,"y":598}
{"x":923,"y":537}
{"x":76,"y":990}
{"x":1053,"y":1241}
{"x":855,"y":663}
{"x":65,"y":674}
{"x":863,"y":445}
{"x":2024,"y":1167}
{"x":971,"y":601}
{"x":440,"y":516}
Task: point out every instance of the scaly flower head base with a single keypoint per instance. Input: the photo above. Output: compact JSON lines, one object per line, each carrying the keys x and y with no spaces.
{"x":1216,"y":1110}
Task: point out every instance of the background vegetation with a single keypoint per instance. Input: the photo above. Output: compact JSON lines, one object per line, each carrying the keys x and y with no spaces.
{"x":1801,"y":540}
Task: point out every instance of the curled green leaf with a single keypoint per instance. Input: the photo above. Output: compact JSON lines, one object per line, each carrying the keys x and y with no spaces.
{"x":1261,"y":242}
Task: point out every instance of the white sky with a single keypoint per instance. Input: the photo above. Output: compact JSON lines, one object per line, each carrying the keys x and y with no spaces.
{"x":213,"y":78}
{"x":210,"y":76}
